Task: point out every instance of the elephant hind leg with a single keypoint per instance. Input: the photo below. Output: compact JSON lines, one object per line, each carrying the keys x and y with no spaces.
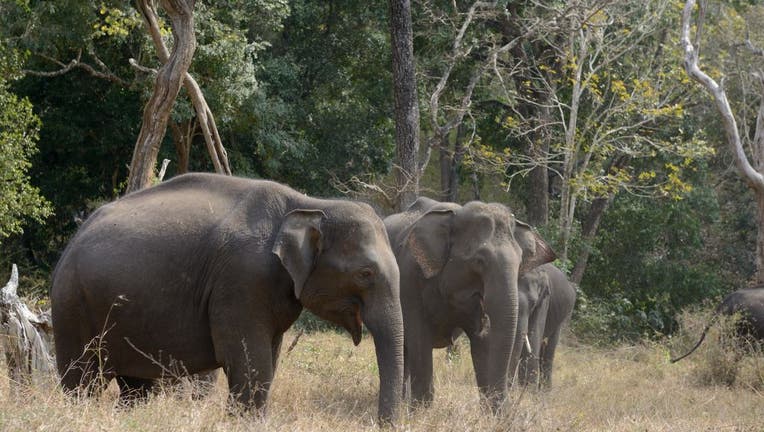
{"x":133,"y":390}
{"x":80,"y":373}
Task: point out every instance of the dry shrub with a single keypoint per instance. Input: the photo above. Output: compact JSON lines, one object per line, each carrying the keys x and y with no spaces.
{"x":723,"y":358}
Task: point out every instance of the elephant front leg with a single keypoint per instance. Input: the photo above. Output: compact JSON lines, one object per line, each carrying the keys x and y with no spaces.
{"x":490,"y":374}
{"x":547,"y":358}
{"x":532,"y":348}
{"x":250,"y":372}
{"x":245,"y":351}
{"x":418,"y":368}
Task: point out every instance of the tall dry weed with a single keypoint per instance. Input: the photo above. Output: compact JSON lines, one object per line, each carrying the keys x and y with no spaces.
{"x":326,"y":384}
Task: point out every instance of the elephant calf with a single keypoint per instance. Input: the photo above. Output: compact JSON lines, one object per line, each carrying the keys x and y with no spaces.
{"x":206,"y":271}
{"x":546,"y":300}
{"x":459,"y":268}
{"x":749,"y":303}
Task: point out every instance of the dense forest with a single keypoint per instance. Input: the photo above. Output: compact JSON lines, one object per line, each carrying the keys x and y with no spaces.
{"x":578,"y":115}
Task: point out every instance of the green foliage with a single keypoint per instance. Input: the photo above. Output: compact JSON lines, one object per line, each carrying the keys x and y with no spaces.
{"x":323,"y":110}
{"x":652,"y":259}
{"x":310,"y":323}
{"x":19,"y":132}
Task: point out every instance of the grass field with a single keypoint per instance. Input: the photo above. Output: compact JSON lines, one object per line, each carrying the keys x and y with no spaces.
{"x":327,"y":384}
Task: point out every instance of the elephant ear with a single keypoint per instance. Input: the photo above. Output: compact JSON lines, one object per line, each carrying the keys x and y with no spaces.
{"x":536,"y":251}
{"x":429,"y":241}
{"x":298,"y":244}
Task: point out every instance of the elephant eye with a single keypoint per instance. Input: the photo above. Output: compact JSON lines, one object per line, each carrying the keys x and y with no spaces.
{"x":364,"y":274}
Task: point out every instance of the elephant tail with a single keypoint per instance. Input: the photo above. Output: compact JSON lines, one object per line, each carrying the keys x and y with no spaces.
{"x":702,"y":337}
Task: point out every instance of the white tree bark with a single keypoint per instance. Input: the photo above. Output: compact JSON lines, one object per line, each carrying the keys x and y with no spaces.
{"x":750,"y":174}
{"x":24,"y":336}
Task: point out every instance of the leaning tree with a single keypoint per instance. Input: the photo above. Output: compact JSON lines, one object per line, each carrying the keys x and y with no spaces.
{"x":751,"y":170}
{"x":171,"y":76}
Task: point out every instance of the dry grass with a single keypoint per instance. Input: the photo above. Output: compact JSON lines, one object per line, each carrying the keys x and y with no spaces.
{"x":631,"y":388}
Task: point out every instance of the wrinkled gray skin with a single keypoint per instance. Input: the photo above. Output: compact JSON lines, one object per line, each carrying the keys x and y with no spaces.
{"x":749,"y":303}
{"x":206,"y":271}
{"x":545,"y":302}
{"x":459,"y":268}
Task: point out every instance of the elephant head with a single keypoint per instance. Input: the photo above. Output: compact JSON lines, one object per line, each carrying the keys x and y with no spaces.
{"x":344,"y":271}
{"x":470,"y":258}
{"x":533,"y":304}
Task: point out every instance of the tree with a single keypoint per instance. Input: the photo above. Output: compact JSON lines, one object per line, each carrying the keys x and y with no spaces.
{"x":752,"y":172}
{"x":169,"y":79}
{"x":592,"y":96}
{"x":204,"y":117}
{"x":406,"y":104}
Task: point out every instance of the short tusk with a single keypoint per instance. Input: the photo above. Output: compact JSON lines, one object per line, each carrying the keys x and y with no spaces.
{"x":528,"y":344}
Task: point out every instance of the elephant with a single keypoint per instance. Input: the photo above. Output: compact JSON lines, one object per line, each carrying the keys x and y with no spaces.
{"x":459,"y":267}
{"x":546,"y":300}
{"x":749,"y":303}
{"x":205,"y":271}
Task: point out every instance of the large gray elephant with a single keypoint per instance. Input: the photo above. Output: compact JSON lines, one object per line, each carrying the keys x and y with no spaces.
{"x":206,"y":271}
{"x":546,"y":300}
{"x":749,"y":303}
{"x":459,"y":268}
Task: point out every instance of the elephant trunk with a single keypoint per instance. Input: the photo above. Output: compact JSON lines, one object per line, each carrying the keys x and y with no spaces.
{"x":516,"y":370}
{"x":491,"y":354}
{"x":385,"y":322}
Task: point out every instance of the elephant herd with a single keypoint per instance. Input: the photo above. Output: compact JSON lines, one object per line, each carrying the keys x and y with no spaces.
{"x":206,"y":271}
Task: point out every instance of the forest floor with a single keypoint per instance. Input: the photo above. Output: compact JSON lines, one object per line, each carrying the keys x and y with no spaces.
{"x":326,"y":384}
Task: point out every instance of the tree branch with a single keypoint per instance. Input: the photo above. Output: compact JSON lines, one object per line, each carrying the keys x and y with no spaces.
{"x":76,"y":63}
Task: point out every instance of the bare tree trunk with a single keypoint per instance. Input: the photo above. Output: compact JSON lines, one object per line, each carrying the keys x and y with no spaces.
{"x":475,"y":186}
{"x":588,"y":232}
{"x":182,"y":135}
{"x":445,"y":169}
{"x":537,"y":203}
{"x":166,"y":87}
{"x":406,"y":104}
{"x":759,"y":238}
{"x":569,"y":196}
{"x":450,"y":161}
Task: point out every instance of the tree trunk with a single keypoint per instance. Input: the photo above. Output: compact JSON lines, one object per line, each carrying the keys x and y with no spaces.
{"x":406,"y":104}
{"x":445,"y":170}
{"x":537,"y":204}
{"x":572,"y":146}
{"x":588,"y":232}
{"x":182,"y":135}
{"x":475,"y":186}
{"x":450,"y":161}
{"x":759,"y":237}
{"x":166,"y":87}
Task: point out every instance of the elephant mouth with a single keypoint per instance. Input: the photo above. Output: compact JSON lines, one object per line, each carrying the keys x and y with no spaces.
{"x":353,"y":324}
{"x":485,"y":326}
{"x":479,"y":323}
